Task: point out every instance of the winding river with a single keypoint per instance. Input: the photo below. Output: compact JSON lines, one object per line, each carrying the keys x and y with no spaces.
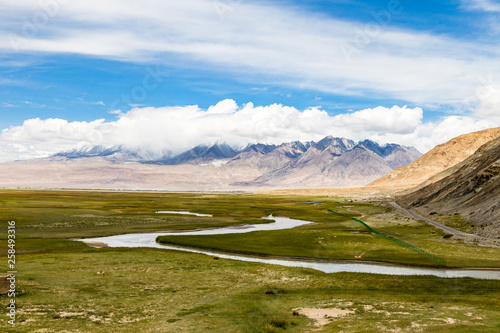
{"x":280,"y":223}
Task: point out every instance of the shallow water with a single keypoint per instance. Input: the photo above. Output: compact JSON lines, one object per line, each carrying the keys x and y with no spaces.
{"x":182,"y":213}
{"x":149,"y":240}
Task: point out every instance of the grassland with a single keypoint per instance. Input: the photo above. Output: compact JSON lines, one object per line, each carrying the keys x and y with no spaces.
{"x":68,"y":286}
{"x":334,"y":237}
{"x":454,"y":221}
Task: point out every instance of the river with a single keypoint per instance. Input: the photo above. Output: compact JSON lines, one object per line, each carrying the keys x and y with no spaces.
{"x":280,"y":223}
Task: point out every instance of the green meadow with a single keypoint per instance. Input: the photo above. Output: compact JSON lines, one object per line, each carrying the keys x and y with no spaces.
{"x":67,"y":286}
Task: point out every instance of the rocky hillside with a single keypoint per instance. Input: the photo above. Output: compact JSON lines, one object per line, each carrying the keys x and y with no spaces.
{"x":437,"y":160}
{"x":471,"y":189}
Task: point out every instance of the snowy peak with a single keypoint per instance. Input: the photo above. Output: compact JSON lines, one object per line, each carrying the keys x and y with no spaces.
{"x":292,"y":149}
{"x":113,"y":153}
{"x":381,"y":151}
{"x":338,"y":144}
{"x":395,"y":155}
{"x":88,"y":151}
{"x":200,"y":154}
{"x":329,"y":162}
{"x":267,"y":158}
{"x":259,"y":148}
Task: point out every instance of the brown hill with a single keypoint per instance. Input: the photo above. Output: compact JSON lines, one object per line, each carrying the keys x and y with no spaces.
{"x":437,"y":160}
{"x":471,"y":188}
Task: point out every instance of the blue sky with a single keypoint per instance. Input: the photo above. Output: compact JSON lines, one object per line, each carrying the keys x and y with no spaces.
{"x":80,"y":62}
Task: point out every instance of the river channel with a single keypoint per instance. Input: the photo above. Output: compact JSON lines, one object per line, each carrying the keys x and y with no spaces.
{"x":281,"y":223}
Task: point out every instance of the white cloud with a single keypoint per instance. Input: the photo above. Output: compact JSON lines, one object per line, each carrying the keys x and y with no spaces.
{"x":181,"y":128}
{"x":382,"y":120}
{"x":489,"y":102}
{"x":40,"y":138}
{"x":285,"y":45}
{"x":427,"y":135}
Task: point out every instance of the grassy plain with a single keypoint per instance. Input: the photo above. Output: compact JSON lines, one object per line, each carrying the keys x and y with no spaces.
{"x":334,"y":237}
{"x":154,"y":290}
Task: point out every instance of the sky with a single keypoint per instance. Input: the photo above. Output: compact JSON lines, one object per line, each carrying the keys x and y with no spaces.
{"x":169,"y":75}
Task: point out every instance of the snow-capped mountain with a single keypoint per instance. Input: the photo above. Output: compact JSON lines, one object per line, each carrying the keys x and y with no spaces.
{"x":330,"y":162}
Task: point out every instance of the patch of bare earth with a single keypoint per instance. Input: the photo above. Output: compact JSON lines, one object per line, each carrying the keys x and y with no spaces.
{"x":322,"y":317}
{"x":4,"y":284}
{"x":95,"y":244}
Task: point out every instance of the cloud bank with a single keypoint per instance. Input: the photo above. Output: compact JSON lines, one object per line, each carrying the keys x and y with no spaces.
{"x":179,"y":128}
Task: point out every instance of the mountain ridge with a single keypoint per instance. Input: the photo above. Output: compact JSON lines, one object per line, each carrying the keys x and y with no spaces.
{"x":328,"y":162}
{"x":221,"y":150}
{"x":437,"y":160}
{"x":470,"y":188}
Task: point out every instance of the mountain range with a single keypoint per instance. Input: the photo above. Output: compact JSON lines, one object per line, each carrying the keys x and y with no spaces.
{"x":330,"y":162}
{"x":461,"y":176}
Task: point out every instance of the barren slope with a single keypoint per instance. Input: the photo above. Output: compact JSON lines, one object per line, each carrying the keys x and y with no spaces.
{"x":437,"y":160}
{"x":472,"y":190}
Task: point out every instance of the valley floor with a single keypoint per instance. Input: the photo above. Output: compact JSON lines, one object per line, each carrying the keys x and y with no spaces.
{"x":65,"y":285}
